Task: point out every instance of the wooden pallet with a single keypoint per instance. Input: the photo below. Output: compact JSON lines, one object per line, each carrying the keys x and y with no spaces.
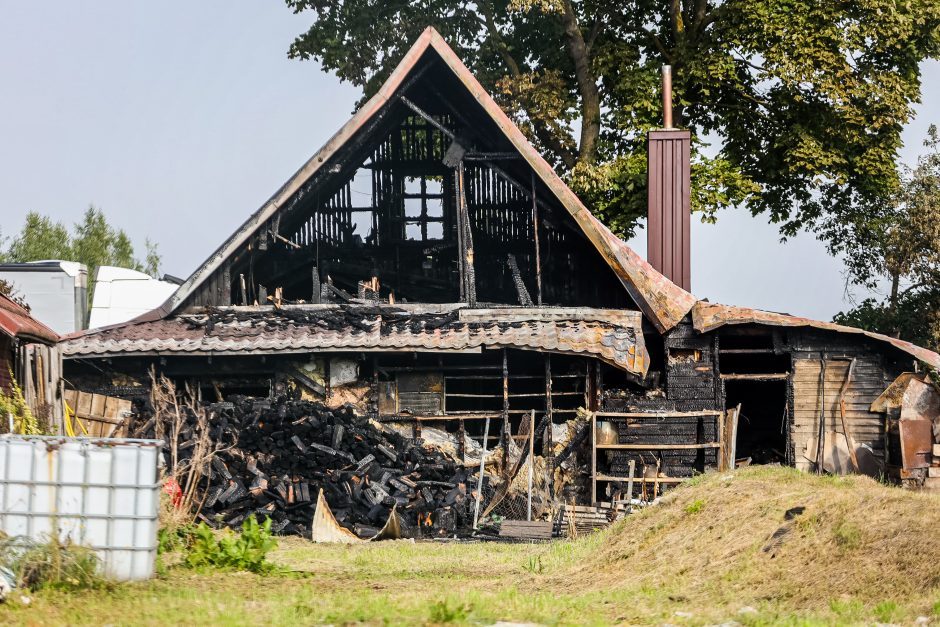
{"x":526,"y":529}
{"x":102,"y":416}
{"x":587,"y":519}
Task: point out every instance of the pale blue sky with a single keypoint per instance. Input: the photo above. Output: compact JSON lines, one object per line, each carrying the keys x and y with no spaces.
{"x":179,"y":119}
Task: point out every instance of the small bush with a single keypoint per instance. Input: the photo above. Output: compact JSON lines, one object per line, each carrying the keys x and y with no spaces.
{"x":694,"y":507}
{"x":444,"y":612}
{"x":247,"y":550}
{"x":51,"y":564}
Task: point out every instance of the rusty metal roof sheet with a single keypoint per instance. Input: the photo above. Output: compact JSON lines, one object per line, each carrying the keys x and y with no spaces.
{"x":663,"y":302}
{"x":612,"y":336}
{"x":15,"y":321}
{"x":708,"y":316}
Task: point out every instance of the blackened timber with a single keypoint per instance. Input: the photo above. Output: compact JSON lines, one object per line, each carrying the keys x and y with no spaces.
{"x":466,"y":245}
{"x":315,"y":290}
{"x":538,"y":255}
{"x":427,"y":117}
{"x":547,"y":440}
{"x":504,"y":435}
{"x":524,"y":299}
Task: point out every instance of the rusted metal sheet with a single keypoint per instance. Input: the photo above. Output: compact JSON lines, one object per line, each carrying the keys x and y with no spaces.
{"x":669,"y":205}
{"x":15,"y":322}
{"x":916,"y":443}
{"x":910,"y":397}
{"x":709,"y":316}
{"x":616,"y":337}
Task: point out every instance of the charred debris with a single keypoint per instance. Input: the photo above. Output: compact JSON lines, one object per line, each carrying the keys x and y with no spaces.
{"x":428,"y":287}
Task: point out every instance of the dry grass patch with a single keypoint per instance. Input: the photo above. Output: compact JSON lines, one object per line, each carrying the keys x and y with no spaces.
{"x":728,"y":540}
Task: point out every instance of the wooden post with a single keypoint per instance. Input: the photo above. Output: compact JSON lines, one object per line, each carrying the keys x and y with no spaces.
{"x":466,"y":242}
{"x":593,"y":458}
{"x":461,"y":260}
{"x":315,"y":289}
{"x":503,"y":434}
{"x":538,"y":255}
{"x":476,"y":506}
{"x":531,"y":460}
{"x":734,"y":437}
{"x":820,"y":444}
{"x":462,"y":446}
{"x":547,"y":440}
{"x":631,"y":470}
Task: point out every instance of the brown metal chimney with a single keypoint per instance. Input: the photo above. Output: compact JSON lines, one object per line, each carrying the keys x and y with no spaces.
{"x":669,"y":189}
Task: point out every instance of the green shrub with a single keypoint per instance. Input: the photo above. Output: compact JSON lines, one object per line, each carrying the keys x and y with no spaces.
{"x":24,"y":422}
{"x":694,"y":507}
{"x":248,"y":550}
{"x":443,"y":612}
{"x":51,"y":564}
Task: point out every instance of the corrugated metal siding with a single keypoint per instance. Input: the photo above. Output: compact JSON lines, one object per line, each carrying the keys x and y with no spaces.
{"x":868,"y":382}
{"x":669,"y":208}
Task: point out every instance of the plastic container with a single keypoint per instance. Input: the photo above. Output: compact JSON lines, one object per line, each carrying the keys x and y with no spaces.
{"x":101,"y":493}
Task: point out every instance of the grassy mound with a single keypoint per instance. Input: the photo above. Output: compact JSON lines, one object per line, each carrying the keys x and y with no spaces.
{"x":770,"y":535}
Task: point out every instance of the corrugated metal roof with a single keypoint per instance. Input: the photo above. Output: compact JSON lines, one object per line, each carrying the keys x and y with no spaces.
{"x":664,"y":303}
{"x":708,"y":316}
{"x":612,"y":336}
{"x":15,"y":321}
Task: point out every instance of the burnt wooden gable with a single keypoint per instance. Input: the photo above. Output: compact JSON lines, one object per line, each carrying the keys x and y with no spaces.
{"x":427,"y":202}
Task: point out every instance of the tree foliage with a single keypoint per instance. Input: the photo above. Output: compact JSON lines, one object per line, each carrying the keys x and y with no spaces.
{"x":93,"y":242}
{"x":900,"y":247}
{"x":805,"y":99}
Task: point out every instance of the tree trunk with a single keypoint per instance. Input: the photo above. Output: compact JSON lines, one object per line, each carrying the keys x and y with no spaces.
{"x":893,"y":305}
{"x":587,"y":86}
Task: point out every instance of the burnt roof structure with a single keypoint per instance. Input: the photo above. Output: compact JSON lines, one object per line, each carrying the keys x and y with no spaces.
{"x":427,"y":264}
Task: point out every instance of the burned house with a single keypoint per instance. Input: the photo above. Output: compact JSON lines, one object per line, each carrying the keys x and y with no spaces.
{"x":430,"y":269}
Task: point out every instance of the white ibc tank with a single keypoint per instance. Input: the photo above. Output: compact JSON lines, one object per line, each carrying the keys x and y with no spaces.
{"x":101,"y":493}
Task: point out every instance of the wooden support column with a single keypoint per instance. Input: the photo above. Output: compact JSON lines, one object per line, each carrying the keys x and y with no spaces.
{"x":547,"y":439}
{"x":593,"y":458}
{"x":465,"y":242}
{"x":504,"y":436}
{"x":538,"y":255}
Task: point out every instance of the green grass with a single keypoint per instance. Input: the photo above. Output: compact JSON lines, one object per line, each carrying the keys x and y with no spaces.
{"x":669,"y":564}
{"x":407,"y":583}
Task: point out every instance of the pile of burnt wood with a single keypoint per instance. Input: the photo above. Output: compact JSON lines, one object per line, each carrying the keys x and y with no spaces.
{"x":275,"y":455}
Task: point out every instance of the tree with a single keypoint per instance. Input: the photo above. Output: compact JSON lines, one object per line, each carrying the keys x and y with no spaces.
{"x":93,"y":242}
{"x":805,"y":98}
{"x":41,"y":238}
{"x":900,"y":247}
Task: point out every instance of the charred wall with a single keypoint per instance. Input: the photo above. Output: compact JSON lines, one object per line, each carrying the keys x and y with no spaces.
{"x":821,"y":365}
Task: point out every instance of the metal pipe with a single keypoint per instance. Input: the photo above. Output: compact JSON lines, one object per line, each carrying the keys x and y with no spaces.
{"x":667,"y":96}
